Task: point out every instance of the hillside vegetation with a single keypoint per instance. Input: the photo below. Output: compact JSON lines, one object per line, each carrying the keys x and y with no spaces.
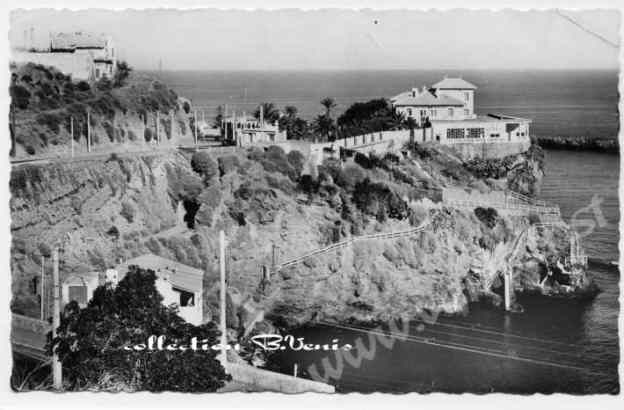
{"x":121,"y":111}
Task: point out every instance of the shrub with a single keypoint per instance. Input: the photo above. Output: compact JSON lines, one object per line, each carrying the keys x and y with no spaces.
{"x":30,"y":150}
{"x":308,"y":184}
{"x":20,"y":96}
{"x":110,"y":131}
{"x":351,"y":175}
{"x":113,"y":232}
{"x":147,"y":135}
{"x":362,"y":160}
{"x":370,"y":197}
{"x":186,"y":107}
{"x":297,"y":160}
{"x":275,"y":160}
{"x":204,"y":165}
{"x":487,"y":216}
{"x":49,"y":120}
{"x":227,"y":164}
{"x":131,"y":135}
{"x":83,"y":86}
{"x":127,"y":211}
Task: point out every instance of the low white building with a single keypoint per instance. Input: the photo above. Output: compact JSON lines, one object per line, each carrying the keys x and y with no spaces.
{"x":245,"y":130}
{"x":84,"y":56}
{"x":179,"y":284}
{"x":445,"y":113}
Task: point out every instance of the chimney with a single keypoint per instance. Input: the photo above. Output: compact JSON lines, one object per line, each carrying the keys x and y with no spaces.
{"x":414,"y":91}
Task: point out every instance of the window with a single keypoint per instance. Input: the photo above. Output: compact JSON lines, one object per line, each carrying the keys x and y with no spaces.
{"x":450,"y":112}
{"x":454,"y":133}
{"x":476,"y":133}
{"x":466,"y":111}
{"x":97,"y":73}
{"x":186,"y":298}
{"x":434,"y":113}
{"x":494,"y":135}
{"x":467,"y":96}
{"x":409,"y":112}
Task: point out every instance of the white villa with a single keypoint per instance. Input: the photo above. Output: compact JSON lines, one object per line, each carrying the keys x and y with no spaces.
{"x":178,"y":284}
{"x":445,"y":113}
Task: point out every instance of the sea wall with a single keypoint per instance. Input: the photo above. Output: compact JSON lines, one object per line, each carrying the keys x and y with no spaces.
{"x":490,"y":150}
{"x":607,"y":145}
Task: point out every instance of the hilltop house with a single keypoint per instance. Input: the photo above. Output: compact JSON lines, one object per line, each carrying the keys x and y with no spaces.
{"x":178,"y":284}
{"x":82,"y":55}
{"x":445,"y":113}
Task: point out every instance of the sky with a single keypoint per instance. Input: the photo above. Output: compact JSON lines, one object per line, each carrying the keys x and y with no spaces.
{"x":341,"y":39}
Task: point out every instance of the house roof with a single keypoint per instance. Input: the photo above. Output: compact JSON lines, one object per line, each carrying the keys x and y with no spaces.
{"x":72,"y":41}
{"x":426,"y":99}
{"x":82,"y":278}
{"x":454,"y":84}
{"x":181,"y":276}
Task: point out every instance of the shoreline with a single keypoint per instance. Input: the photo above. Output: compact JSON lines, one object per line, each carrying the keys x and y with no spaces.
{"x":604,"y":145}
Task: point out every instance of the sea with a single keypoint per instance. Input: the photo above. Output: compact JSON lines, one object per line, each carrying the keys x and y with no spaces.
{"x":554,"y":345}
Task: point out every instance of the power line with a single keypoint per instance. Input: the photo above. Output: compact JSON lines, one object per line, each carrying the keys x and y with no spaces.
{"x":587,"y":30}
{"x":473,"y":349}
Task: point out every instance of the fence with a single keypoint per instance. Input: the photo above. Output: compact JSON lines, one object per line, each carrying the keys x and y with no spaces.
{"x":348,"y":242}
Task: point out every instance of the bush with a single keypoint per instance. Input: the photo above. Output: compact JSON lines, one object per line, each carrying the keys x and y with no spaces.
{"x":275,"y":160}
{"x":227,"y":164}
{"x":30,"y":150}
{"x":186,"y":107}
{"x":487,"y":216}
{"x":127,"y":211}
{"x":297,"y":160}
{"x":49,"y":120}
{"x":370,"y":197}
{"x":147,"y":135}
{"x":113,"y":232}
{"x":20,"y":96}
{"x":110,"y":131}
{"x":83,"y":86}
{"x":351,"y":175}
{"x":204,"y":165}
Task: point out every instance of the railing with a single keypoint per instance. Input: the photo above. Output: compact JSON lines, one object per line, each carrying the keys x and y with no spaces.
{"x":543,"y":210}
{"x":348,"y":242}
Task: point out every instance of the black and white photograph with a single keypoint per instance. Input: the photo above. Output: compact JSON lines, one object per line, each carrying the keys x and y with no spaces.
{"x":332,"y":200}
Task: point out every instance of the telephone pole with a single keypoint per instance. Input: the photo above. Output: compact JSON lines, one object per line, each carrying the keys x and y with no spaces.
{"x":71,"y":132}
{"x":57,"y":371}
{"x":223,"y":356}
{"x":195,"y":124}
{"x":88,"y":131}
{"x":42,"y":287}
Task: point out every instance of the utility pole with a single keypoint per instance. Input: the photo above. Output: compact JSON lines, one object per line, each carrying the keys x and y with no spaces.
{"x":57,"y":371}
{"x":171,"y":128}
{"x":222,"y":312}
{"x":88,"y":131}
{"x":42,"y":287}
{"x":195,"y":124}
{"x":71,"y":132}
{"x":157,"y":127}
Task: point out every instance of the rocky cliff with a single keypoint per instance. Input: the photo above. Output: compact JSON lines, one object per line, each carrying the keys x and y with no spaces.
{"x":107,"y":210}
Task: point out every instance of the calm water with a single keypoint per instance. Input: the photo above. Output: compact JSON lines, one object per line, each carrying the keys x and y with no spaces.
{"x":559,"y":345}
{"x":555,"y":345}
{"x":570,"y":103}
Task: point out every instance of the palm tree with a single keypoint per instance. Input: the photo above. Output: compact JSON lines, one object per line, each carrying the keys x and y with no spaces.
{"x":291,"y":111}
{"x":270,"y":112}
{"x":328,"y":103}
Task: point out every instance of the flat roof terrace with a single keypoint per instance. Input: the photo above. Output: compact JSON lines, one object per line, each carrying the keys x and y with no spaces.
{"x":485,"y":118}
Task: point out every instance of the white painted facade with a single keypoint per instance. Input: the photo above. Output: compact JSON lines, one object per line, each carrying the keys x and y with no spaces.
{"x":445,"y":113}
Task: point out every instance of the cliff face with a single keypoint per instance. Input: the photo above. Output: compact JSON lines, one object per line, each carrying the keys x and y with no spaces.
{"x":124,"y":207}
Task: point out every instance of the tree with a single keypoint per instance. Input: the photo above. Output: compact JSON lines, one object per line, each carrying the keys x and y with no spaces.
{"x":121,"y":73}
{"x":329,"y":104}
{"x":270,"y":112}
{"x":96,"y":344}
{"x":295,"y":127}
{"x":203,"y":164}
